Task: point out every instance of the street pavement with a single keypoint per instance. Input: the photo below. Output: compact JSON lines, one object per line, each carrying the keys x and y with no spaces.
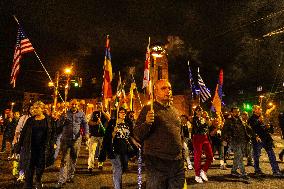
{"x":102,"y":179}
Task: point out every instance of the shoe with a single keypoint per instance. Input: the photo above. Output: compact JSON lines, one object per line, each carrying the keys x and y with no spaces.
{"x":245,"y":177}
{"x":190,"y":167}
{"x":249,"y":163}
{"x":198,"y":179}
{"x":70,"y":180}
{"x":38,"y":185}
{"x":235,"y":174}
{"x":100,"y":165}
{"x":90,"y":170}
{"x":203,"y":175}
{"x":21,"y":178}
{"x":281,"y":157}
{"x":223,"y":167}
{"x":259,"y":174}
{"x":59,"y":185}
{"x":277,"y":175}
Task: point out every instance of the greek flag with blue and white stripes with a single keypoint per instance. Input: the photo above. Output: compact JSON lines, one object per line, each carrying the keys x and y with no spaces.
{"x":204,"y":91}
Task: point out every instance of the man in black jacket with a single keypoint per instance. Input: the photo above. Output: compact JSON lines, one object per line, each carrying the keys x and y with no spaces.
{"x":237,"y":132}
{"x":262,"y":139}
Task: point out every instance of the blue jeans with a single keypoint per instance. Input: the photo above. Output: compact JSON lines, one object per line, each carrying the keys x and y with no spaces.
{"x":70,"y":153}
{"x":118,"y":167}
{"x":257,"y":146}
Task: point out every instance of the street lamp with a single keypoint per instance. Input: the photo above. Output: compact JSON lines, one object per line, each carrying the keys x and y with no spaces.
{"x":68,"y":72}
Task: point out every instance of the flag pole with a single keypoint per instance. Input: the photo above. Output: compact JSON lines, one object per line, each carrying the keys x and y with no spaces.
{"x":199,"y":89}
{"x":39,"y":59}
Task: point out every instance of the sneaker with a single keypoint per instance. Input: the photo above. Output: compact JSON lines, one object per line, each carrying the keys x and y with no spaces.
{"x":235,"y":174}
{"x":203,"y":175}
{"x":198,"y":179}
{"x":190,"y":167}
{"x":277,"y":175}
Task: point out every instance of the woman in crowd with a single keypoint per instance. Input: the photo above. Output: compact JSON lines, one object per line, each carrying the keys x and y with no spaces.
{"x":200,"y":142}
{"x":37,"y":143}
{"x":118,"y":136}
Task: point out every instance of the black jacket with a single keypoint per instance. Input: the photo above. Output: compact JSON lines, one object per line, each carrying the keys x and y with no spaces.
{"x":24,"y":144}
{"x":260,"y":130}
{"x":236,"y":131}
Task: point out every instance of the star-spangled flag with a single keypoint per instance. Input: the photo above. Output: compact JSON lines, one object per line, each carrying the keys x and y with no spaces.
{"x":204,"y":91}
{"x":23,"y":45}
{"x":146,"y":78}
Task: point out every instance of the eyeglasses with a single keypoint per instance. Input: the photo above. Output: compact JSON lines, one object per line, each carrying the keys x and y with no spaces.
{"x":121,"y":112}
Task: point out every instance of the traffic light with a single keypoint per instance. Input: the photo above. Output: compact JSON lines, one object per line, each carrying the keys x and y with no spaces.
{"x":247,"y":107}
{"x":77,"y":81}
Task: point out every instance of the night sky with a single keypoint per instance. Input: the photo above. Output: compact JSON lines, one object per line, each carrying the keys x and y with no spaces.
{"x":215,"y":34}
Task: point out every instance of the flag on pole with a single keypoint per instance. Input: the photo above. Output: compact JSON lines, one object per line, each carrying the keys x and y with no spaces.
{"x":191,"y":82}
{"x":217,"y":100}
{"x":120,"y":100}
{"x":23,"y":46}
{"x":107,"y":77}
{"x":204,"y":91}
{"x":146,"y":78}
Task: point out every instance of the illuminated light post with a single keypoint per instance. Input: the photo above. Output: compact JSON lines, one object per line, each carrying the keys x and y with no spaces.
{"x":67,"y":72}
{"x":260,"y":100}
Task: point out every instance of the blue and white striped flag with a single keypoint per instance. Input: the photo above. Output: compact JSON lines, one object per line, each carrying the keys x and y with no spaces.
{"x":204,"y":91}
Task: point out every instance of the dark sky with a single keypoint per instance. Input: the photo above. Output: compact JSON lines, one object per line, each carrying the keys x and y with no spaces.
{"x":69,"y":31}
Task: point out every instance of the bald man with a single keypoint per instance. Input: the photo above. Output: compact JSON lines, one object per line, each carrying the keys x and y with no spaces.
{"x":160,"y":131}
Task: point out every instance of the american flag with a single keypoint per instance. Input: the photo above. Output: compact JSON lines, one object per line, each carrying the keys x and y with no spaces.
{"x":23,"y":45}
{"x":204,"y":91}
{"x":146,"y":78}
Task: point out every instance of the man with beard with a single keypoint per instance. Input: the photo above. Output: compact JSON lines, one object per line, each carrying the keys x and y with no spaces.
{"x":71,"y":141}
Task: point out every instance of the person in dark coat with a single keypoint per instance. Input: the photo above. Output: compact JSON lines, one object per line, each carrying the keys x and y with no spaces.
{"x":10,"y":124}
{"x":281,"y":125}
{"x":160,"y":130}
{"x":37,"y":145}
{"x":262,"y":139}
{"x":118,"y":140}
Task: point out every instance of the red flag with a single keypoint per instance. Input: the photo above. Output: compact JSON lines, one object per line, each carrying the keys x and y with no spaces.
{"x":146,"y":78}
{"x":23,"y":45}
{"x":217,"y":100}
{"x":107,"y":91}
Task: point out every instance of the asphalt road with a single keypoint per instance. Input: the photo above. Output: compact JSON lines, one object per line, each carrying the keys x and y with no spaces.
{"x":102,"y":179}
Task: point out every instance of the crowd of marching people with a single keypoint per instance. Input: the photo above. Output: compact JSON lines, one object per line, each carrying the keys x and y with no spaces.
{"x":169,"y":141}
